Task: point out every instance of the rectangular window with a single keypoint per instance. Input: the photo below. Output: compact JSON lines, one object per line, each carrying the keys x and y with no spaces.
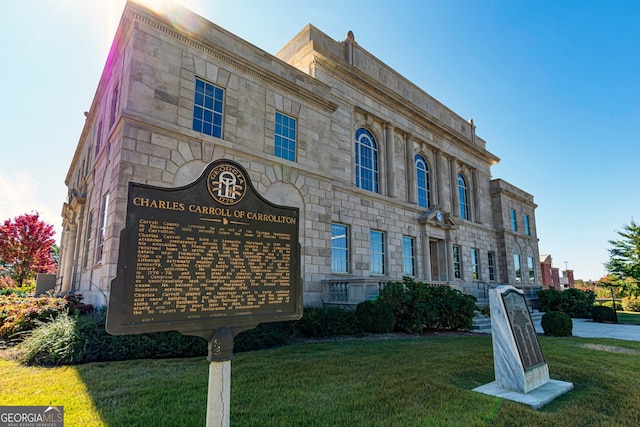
{"x":114,"y":106}
{"x":339,"y":248}
{"x":527,"y":226}
{"x":103,"y":228}
{"x":285,"y":137}
{"x":491,"y":259}
{"x":457,"y":262}
{"x":517,"y":267}
{"x":475,"y":264}
{"x":514,"y":224}
{"x":376,"y":240}
{"x":532,"y":272}
{"x":87,"y":244}
{"x":207,"y":108}
{"x":99,"y":138}
{"x":408,"y":256}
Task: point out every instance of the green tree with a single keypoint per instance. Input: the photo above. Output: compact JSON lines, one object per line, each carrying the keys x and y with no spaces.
{"x":624,"y":257}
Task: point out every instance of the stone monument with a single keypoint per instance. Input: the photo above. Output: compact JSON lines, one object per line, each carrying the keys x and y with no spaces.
{"x":521,"y":370}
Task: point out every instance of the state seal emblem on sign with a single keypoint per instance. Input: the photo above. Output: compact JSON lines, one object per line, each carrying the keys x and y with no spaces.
{"x":226,"y":184}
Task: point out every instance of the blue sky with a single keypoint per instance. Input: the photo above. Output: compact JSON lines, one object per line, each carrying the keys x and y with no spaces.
{"x":552,"y":86}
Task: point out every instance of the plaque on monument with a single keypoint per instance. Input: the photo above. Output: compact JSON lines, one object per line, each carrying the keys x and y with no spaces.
{"x":521,"y":371}
{"x":522,"y":329}
{"x":210,"y":254}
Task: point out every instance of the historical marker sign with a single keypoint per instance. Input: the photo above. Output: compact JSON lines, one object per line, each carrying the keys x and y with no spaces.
{"x":523,"y":330}
{"x":210,"y":254}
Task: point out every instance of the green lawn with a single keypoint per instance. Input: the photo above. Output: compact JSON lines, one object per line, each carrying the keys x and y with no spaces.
{"x":424,"y":381}
{"x":629,"y":317}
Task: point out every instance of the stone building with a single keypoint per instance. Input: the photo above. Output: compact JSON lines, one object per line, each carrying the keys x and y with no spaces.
{"x":388,"y":180}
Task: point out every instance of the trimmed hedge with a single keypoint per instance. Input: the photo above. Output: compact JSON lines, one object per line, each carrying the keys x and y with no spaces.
{"x":557,"y":324}
{"x":603,"y":313}
{"x":574,"y":302}
{"x":419,"y":306}
{"x":376,"y":317}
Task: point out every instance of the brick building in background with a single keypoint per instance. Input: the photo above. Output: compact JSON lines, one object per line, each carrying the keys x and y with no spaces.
{"x":551,"y":275}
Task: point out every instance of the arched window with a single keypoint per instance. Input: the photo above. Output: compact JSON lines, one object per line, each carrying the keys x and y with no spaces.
{"x":423,"y":182}
{"x":366,"y":161}
{"x":463,"y":196}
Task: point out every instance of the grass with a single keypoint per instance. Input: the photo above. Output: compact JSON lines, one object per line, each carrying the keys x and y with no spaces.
{"x":629,"y":317}
{"x":396,"y":382}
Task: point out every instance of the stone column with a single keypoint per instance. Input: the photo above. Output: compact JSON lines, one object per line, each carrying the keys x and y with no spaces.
{"x":455,"y":199}
{"x":440,"y":178}
{"x":69,"y":251}
{"x":475,"y":191}
{"x":449,"y":252}
{"x":411,"y":169}
{"x":426,"y":258}
{"x":391,"y":160}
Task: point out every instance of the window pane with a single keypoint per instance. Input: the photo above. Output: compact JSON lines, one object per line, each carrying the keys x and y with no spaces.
{"x":492,"y":268}
{"x":422,"y":181}
{"x":377,"y":252}
{"x":207,"y":110}
{"x":339,"y":249}
{"x":285,"y":137}
{"x":366,"y":161}
{"x":457,"y":263}
{"x":518,"y":268}
{"x":463,"y":195}
{"x":408,"y":256}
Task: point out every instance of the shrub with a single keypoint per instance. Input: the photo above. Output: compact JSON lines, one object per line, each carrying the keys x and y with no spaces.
{"x":265,"y":335}
{"x":21,"y":314}
{"x":631,"y":304}
{"x":610,"y":305}
{"x":53,"y":343}
{"x":574,"y":302}
{"x":376,"y":317}
{"x":418,"y":306}
{"x":83,"y":339}
{"x":327,"y":321}
{"x":557,"y":324}
{"x":603,"y":313}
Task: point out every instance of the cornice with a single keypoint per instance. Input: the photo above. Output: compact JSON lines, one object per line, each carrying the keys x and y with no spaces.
{"x":238,"y":62}
{"x":364,"y":83}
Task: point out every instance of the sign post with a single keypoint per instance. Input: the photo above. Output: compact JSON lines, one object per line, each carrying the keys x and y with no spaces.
{"x":211,"y":259}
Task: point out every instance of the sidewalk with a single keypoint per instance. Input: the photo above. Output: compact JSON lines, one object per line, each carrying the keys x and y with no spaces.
{"x":589,"y":329}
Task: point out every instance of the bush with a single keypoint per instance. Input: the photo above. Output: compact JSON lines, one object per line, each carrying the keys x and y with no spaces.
{"x":327,"y":321}
{"x":610,"y":305}
{"x":418,"y":306}
{"x":603,"y":313}
{"x":265,"y":335}
{"x":631,"y":304}
{"x":376,"y":317}
{"x":53,"y":343}
{"x":557,"y":324}
{"x":83,"y":339}
{"x":574,"y":302}
{"x":21,"y":314}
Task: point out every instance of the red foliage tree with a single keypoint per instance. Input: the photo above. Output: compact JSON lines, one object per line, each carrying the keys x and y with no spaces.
{"x":25,"y":247}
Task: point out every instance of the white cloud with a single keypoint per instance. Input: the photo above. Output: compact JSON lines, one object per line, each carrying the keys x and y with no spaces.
{"x":21,"y":193}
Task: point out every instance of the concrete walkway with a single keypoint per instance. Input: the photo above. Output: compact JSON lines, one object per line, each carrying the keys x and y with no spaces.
{"x":590,"y":329}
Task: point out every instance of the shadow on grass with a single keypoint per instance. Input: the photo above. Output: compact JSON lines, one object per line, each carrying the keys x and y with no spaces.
{"x":401,"y":382}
